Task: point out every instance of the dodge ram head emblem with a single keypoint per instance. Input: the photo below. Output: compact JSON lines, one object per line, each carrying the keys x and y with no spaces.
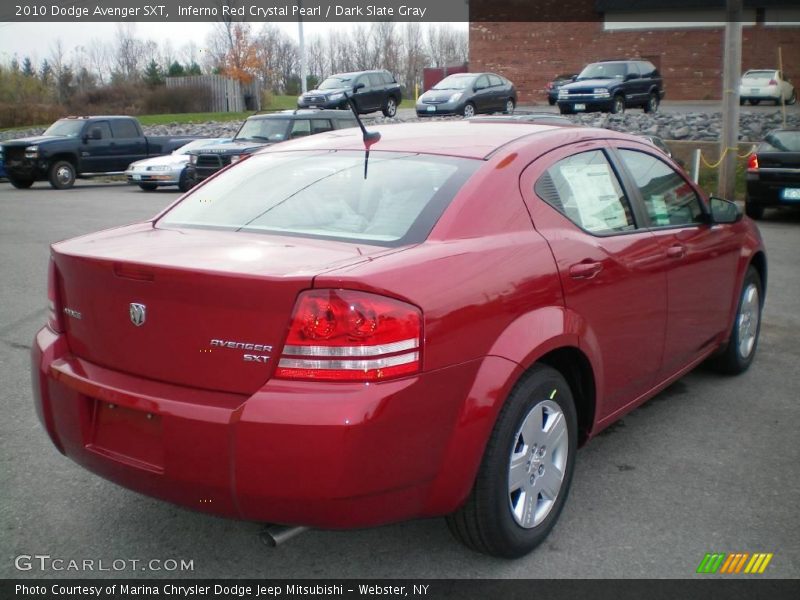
{"x":138,"y":313}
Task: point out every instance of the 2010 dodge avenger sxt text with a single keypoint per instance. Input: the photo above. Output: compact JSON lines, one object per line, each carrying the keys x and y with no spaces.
{"x":306,"y":339}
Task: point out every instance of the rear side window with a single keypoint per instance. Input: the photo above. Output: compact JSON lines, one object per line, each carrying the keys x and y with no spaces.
{"x":584,"y":188}
{"x":325,"y":195}
{"x":668,"y":198}
{"x":124,"y":128}
{"x":300,"y":128}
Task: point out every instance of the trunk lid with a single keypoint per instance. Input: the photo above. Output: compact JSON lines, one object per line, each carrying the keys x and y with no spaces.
{"x":199,"y":308}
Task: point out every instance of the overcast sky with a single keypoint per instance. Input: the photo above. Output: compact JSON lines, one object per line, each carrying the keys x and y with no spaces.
{"x":36,"y":39}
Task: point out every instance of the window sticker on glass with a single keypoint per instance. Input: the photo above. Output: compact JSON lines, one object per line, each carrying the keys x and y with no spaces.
{"x":595,"y":196}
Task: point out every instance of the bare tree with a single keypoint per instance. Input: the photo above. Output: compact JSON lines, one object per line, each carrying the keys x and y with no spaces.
{"x":99,"y":56}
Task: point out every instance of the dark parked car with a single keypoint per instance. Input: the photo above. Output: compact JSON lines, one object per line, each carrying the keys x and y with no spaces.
{"x":371,"y":91}
{"x":773,"y":173}
{"x":613,"y":86}
{"x":259,"y":131}
{"x":2,"y":165}
{"x":298,"y":342}
{"x":552,"y":87}
{"x":468,"y":94}
{"x":83,"y":147}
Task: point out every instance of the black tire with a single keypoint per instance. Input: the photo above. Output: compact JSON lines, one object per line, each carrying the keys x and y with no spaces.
{"x":652,"y":103}
{"x":486,"y":523}
{"x":20,"y":184}
{"x":184,"y":182}
{"x":148,"y":187}
{"x":564,"y":110}
{"x":617,"y":105}
{"x":738,"y":354}
{"x":741,"y":101}
{"x":754,"y":211}
{"x":61,"y":175}
{"x":551,"y":101}
{"x":509,"y":108}
{"x":793,"y":98}
{"x":754,"y":101}
{"x":390,"y":107}
{"x":469,"y":110}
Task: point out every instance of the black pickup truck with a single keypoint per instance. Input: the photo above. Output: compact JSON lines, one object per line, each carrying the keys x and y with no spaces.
{"x":82,"y":147}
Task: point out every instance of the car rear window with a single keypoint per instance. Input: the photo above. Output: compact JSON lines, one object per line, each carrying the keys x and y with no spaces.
{"x":759,"y":75}
{"x":783,"y":141}
{"x":325,"y":195}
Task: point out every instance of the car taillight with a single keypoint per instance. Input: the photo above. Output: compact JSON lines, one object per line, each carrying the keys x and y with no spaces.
{"x":752,"y":163}
{"x":772,"y":82}
{"x":54,"y":320}
{"x":348,"y":335}
{"x":549,"y":85}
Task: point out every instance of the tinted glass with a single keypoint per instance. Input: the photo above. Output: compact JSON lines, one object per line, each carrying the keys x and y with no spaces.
{"x":375,"y":80}
{"x":320,"y":125}
{"x":105,"y":130}
{"x":300,"y":128}
{"x":325,"y":195}
{"x":668,"y":198}
{"x":585,"y":189}
{"x":387,"y":78}
{"x":124,"y":128}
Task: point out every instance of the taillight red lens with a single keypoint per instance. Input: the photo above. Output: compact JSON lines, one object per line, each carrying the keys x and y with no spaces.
{"x":773,"y":82}
{"x":347,"y":335}
{"x":752,"y":162}
{"x":54,"y":320}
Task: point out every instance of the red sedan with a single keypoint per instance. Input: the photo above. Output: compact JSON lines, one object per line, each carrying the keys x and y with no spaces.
{"x":308,"y":340}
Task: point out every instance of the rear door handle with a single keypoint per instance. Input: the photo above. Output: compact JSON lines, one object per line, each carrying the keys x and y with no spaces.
{"x":585,"y":270}
{"x":676,"y":251}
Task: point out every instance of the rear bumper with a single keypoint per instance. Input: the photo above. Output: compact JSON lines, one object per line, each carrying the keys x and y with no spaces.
{"x":769,"y":191}
{"x":308,"y":453}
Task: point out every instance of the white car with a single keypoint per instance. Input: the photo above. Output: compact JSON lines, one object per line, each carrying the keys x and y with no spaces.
{"x":169,"y":169}
{"x":766,"y":84}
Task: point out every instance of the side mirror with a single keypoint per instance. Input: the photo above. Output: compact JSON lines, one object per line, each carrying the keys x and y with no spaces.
{"x":96,"y":133}
{"x":724,"y":211}
{"x":360,"y":86}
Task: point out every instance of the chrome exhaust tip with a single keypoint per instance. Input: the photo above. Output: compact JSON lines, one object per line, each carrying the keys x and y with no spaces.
{"x":274,"y":535}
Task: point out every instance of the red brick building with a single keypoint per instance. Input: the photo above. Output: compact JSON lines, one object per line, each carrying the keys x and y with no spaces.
{"x":686,"y":45}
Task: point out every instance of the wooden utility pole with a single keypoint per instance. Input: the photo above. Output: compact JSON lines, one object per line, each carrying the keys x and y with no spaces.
{"x":730,"y":99}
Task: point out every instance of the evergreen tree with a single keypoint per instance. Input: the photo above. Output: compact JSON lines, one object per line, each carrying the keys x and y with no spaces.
{"x":27,"y":67}
{"x":153,"y":75}
{"x":176,"y":70}
{"x":45,"y":72}
{"x":193,"y":69}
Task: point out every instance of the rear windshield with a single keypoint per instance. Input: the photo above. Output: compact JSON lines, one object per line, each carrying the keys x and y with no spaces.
{"x":759,"y":75}
{"x":783,"y":141}
{"x":323,"y":194}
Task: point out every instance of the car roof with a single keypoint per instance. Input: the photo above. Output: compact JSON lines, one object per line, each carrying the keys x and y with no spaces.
{"x":478,"y":139}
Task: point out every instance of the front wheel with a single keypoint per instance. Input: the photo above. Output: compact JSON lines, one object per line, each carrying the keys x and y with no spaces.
{"x":20,"y":184}
{"x":390,"y":108}
{"x":526,"y":471}
{"x":61,"y":175}
{"x":618,"y":105}
{"x":736,"y":357}
{"x":652,"y":103}
{"x":469,"y":110}
{"x":754,"y":211}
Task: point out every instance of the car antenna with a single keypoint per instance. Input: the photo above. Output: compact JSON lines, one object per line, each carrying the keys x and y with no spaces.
{"x":370,"y":137}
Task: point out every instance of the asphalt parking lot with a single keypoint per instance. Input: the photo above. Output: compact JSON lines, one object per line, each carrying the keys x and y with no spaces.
{"x":710,"y":465}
